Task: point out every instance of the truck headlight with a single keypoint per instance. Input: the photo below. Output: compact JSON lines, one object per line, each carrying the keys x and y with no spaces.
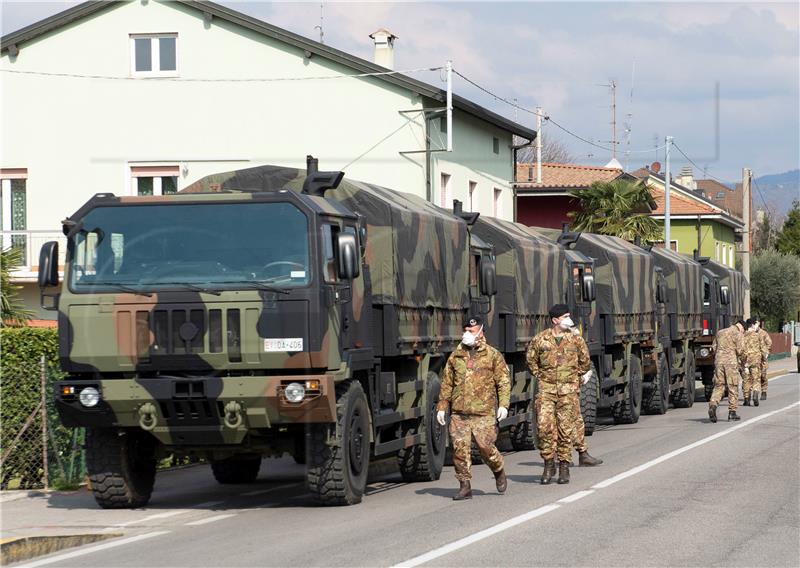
{"x":294,"y":392}
{"x":89,"y":397}
{"x":704,"y":352}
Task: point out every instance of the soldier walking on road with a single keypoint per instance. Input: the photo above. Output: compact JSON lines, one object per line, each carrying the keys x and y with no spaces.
{"x":476,"y":387}
{"x":766,"y":346}
{"x":728,"y":347}
{"x":558,"y":360}
{"x":752,"y":363}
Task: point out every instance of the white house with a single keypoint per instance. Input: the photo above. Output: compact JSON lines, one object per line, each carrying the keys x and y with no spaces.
{"x":145,"y":96}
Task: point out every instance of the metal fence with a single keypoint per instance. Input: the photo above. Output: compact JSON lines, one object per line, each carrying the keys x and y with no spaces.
{"x":37,"y":451}
{"x":30,"y":242}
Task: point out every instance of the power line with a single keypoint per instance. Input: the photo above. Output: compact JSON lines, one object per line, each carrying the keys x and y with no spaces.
{"x":232,"y":80}
{"x":723,"y":182}
{"x":496,"y":96}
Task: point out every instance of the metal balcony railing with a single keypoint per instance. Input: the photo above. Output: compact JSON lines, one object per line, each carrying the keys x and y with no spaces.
{"x":30,"y":242}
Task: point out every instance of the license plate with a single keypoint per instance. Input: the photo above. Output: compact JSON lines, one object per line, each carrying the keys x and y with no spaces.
{"x":283,"y":344}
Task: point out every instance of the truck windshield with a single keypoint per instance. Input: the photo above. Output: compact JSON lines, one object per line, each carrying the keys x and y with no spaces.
{"x":191,"y":246}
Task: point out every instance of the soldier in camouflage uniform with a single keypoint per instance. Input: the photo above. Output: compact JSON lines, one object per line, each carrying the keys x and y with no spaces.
{"x":584,"y":458}
{"x":752,"y":363}
{"x":766,"y":345}
{"x":728,"y":347}
{"x":557,"y":359}
{"x":476,"y":388}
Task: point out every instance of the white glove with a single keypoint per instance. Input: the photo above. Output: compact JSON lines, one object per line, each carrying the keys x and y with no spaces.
{"x":440,"y":417}
{"x":585,"y":378}
{"x":746,"y":371}
{"x":502,"y":413}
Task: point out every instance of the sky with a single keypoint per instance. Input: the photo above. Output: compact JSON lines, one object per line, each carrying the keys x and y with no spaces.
{"x":668,"y":61}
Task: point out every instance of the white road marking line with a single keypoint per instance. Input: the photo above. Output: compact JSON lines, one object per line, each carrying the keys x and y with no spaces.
{"x":270,"y":490}
{"x":514,"y":521}
{"x":466,"y":541}
{"x":211,"y":519}
{"x":679,"y":451}
{"x":150,"y":518}
{"x":207,"y":504}
{"x":575,"y":496}
{"x":89,"y":550}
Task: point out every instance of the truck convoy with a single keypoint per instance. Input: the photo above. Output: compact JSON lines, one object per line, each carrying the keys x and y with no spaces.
{"x":272,"y":310}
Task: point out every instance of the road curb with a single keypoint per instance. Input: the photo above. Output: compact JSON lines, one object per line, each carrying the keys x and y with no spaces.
{"x":27,"y":547}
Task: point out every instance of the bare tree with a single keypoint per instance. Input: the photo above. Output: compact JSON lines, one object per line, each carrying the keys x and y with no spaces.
{"x":554,"y":151}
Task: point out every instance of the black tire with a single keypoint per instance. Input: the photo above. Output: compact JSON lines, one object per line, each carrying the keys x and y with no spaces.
{"x":707,"y":374}
{"x":338,"y":457}
{"x":424,"y":462}
{"x":684,"y":398}
{"x":122,"y":467}
{"x":523,"y":436}
{"x":590,"y":393}
{"x":628,"y":410}
{"x":657,"y":401}
{"x":235,"y":470}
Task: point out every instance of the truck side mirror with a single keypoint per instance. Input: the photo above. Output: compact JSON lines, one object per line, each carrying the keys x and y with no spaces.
{"x":48,"y":264}
{"x":661,"y":293}
{"x":347,"y":256}
{"x":488,"y":276}
{"x":589,"y":292}
{"x":724,"y":295}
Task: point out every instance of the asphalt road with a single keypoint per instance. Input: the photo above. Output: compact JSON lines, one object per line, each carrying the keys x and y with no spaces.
{"x":675,"y":490}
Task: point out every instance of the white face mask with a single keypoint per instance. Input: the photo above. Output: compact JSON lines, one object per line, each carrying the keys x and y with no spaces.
{"x":470,"y":338}
{"x":566,"y":323}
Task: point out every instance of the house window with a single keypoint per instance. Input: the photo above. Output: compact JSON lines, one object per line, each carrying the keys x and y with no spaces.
{"x":472,"y":186}
{"x":724,"y":254}
{"x":154,"y":180}
{"x":496,"y":145}
{"x":444,"y":196}
{"x":716,"y":252}
{"x":443,"y":124}
{"x":673,"y":245}
{"x":498,"y":203}
{"x":721,"y":195}
{"x":732,"y":255}
{"x":154,"y":55}
{"x":13,"y":208}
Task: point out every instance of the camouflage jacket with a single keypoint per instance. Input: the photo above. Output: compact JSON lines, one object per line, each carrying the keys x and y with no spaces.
{"x":558,"y":367}
{"x":752,"y":348}
{"x":766,"y":343}
{"x":475,"y":381}
{"x":728,"y":347}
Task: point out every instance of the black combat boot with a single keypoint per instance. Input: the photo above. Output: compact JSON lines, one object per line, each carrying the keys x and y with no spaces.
{"x":746,"y":400}
{"x":464,"y":492}
{"x":755,"y":399}
{"x":763,"y":396}
{"x":563,"y":473}
{"x":584,"y":459}
{"x":549,"y":471}
{"x":712,"y":412}
{"x":733,"y":416}
{"x":501,"y":481}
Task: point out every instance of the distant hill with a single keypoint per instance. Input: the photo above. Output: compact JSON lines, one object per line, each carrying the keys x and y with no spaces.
{"x":779,"y":191}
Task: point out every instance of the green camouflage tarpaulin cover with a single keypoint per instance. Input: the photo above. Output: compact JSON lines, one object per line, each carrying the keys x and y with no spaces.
{"x":737,"y":283}
{"x":685,"y":277}
{"x":418,"y":254}
{"x":531,"y":270}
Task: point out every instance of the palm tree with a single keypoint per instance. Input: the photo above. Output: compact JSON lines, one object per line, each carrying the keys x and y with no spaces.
{"x":13,"y":311}
{"x":619,"y":208}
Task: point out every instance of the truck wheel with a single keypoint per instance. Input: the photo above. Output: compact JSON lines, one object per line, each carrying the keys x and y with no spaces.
{"x":338,"y":457}
{"x":589,"y":395}
{"x":628,"y":411}
{"x":238,"y":469}
{"x":658,"y":395}
{"x":121,"y":467}
{"x":424,"y":462}
{"x":684,"y":398}
{"x":523,"y":436}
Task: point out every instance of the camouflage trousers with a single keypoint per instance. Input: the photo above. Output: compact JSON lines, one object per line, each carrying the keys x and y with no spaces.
{"x":726,"y":375}
{"x":579,"y":439}
{"x":763,"y":373}
{"x":557,"y":418}
{"x":752,"y":380}
{"x":465,"y":427}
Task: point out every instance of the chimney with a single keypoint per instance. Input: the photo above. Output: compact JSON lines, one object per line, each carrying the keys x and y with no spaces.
{"x":686,"y":179}
{"x":384,"y":47}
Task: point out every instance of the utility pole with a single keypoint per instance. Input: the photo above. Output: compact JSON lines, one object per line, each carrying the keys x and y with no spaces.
{"x":538,"y":144}
{"x":613,"y":86}
{"x":748,"y":234}
{"x":667,"y":184}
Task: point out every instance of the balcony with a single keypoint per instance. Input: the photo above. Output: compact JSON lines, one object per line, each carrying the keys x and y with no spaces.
{"x":31,"y":242}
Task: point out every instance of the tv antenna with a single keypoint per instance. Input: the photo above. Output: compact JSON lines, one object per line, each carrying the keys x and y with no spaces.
{"x":319,"y":27}
{"x":613,"y":86}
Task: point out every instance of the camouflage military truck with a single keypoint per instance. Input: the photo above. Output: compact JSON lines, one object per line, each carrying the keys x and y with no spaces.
{"x":621,"y":329}
{"x":723,"y":305}
{"x":531,"y":277}
{"x":260,"y":312}
{"x":680,"y":312}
